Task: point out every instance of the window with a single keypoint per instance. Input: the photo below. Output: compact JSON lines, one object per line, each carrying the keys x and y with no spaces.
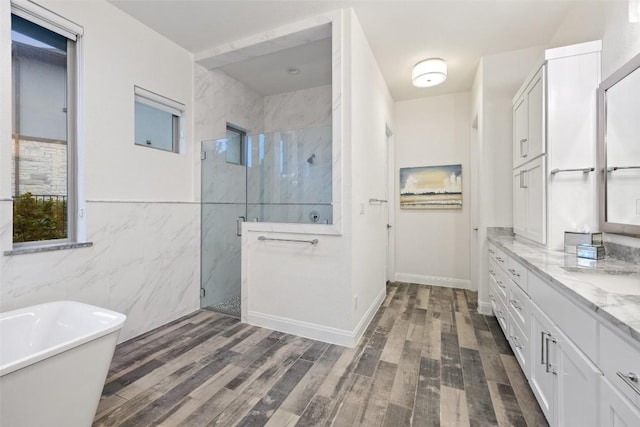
{"x":44,"y":64}
{"x":234,"y":152}
{"x":158,"y":121}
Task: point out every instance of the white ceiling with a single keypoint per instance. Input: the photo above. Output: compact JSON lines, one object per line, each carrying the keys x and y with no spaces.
{"x":400,"y":32}
{"x":268,"y":74}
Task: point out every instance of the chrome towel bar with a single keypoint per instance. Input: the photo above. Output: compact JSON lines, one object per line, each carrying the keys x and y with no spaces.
{"x":615,"y":168}
{"x":264,"y":238}
{"x":378,"y":201}
{"x":583,"y":170}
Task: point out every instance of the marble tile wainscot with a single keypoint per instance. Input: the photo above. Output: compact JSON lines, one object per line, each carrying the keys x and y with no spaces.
{"x":588,"y":313}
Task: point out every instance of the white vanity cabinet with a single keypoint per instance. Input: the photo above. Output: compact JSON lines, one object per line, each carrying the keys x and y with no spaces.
{"x":563,"y":379}
{"x":554,"y":140}
{"x":620,"y":394}
{"x":582,"y":369}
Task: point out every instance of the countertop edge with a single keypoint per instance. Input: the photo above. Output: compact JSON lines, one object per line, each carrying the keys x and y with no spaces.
{"x":622,"y":326}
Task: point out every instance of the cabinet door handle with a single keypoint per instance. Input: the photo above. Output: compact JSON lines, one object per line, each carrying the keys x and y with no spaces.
{"x":548,"y":367}
{"x":521,"y":181}
{"x":514,"y":272}
{"x":492,"y":252}
{"x":525,"y":179}
{"x":542,"y":342}
{"x":499,"y":259}
{"x":492,"y":298}
{"x":499,"y":282}
{"x":631,"y":379}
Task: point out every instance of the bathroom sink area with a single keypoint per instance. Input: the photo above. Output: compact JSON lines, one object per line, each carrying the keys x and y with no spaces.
{"x":623,"y":282}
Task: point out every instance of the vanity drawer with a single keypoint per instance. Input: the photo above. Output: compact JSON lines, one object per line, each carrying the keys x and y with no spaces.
{"x":493,"y":251}
{"x":620,"y":359}
{"x":501,"y":258}
{"x":570,"y":319}
{"x":519,"y":306}
{"x":499,"y":306}
{"x":518,"y":273}
{"x":500,"y":282}
{"x":519,"y":344}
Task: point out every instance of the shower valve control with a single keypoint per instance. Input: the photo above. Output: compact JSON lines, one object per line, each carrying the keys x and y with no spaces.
{"x":314,"y":216}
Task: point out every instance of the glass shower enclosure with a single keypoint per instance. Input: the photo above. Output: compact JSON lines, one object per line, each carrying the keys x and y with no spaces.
{"x":278,"y":177}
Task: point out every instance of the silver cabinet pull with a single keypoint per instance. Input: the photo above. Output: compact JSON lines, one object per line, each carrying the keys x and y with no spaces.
{"x":499,"y":259}
{"x":499,"y":282}
{"x":492,"y":252}
{"x":239,"y":222}
{"x":516,"y":342}
{"x":514,"y":303}
{"x":542,"y":342}
{"x":631,"y":379}
{"x":549,"y":367}
{"x":491,"y":272}
{"x":514,"y":272}
{"x":492,"y":298}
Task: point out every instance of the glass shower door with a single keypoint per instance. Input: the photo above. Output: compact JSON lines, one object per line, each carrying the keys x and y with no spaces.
{"x":224,"y":194}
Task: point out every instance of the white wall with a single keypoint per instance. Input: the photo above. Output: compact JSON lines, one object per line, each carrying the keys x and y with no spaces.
{"x":432,"y":246}
{"x":370,"y":113}
{"x":309,"y":290}
{"x":140,"y":211}
{"x":620,"y":43}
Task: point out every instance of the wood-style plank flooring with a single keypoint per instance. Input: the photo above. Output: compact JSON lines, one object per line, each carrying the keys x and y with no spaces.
{"x":427,"y":359}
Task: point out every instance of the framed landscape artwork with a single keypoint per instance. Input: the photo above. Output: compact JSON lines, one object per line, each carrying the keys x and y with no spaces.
{"x":431,"y":187}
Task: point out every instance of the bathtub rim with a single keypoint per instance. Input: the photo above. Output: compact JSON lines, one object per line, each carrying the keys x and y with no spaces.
{"x":52,"y":351}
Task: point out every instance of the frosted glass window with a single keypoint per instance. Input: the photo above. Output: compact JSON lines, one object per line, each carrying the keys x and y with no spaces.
{"x":234,"y":152}
{"x":157,"y":121}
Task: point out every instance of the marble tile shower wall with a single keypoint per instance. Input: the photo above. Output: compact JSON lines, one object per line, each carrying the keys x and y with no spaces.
{"x":131,"y":267}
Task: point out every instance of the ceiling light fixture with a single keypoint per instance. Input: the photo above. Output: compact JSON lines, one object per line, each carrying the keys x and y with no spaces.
{"x":430,"y":72}
{"x":294,"y":71}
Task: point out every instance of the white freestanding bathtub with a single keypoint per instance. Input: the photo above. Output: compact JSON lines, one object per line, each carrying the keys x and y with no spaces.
{"x":54,"y":359}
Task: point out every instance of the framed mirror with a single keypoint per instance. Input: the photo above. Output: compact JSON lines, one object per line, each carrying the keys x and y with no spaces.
{"x":619,"y":150}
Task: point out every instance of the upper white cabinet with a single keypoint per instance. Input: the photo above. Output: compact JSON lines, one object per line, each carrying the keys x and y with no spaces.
{"x":554,"y":126}
{"x":528,"y":121}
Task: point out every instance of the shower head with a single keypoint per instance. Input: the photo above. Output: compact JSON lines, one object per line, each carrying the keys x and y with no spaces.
{"x":311,"y":159}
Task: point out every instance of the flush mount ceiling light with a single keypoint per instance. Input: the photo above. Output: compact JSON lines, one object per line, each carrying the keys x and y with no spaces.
{"x":429,"y":72}
{"x":294,"y":71}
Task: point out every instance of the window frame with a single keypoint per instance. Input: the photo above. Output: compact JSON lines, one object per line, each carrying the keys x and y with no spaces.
{"x":168,"y":105}
{"x":243,"y":142}
{"x":76,"y":223}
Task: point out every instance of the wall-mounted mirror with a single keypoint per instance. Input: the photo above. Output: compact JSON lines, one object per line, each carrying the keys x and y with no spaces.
{"x":619,"y":150}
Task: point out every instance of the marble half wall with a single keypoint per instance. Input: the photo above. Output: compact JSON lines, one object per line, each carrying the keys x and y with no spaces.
{"x":144,"y":263}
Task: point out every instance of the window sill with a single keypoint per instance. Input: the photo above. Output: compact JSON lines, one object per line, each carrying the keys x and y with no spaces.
{"x":47,"y":248}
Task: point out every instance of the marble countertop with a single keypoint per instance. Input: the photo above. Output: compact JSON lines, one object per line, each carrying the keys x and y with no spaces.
{"x":609,"y":287}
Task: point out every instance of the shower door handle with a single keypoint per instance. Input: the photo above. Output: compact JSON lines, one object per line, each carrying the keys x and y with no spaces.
{"x":239,"y":222}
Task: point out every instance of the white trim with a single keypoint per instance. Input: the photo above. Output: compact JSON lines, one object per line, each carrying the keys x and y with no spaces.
{"x":485,"y":308}
{"x":159,"y":102}
{"x":303,"y":329}
{"x":46,"y":18}
{"x":368,"y":316}
{"x":420,"y":279}
{"x":315,"y":331}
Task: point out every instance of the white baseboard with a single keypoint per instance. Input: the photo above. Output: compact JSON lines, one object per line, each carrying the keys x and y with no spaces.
{"x":315,"y":331}
{"x":300,"y":328}
{"x":368,"y":316}
{"x":485,"y":308}
{"x":445,"y":282}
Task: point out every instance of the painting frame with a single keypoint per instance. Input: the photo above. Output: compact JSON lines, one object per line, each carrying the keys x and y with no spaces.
{"x":431,"y":187}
